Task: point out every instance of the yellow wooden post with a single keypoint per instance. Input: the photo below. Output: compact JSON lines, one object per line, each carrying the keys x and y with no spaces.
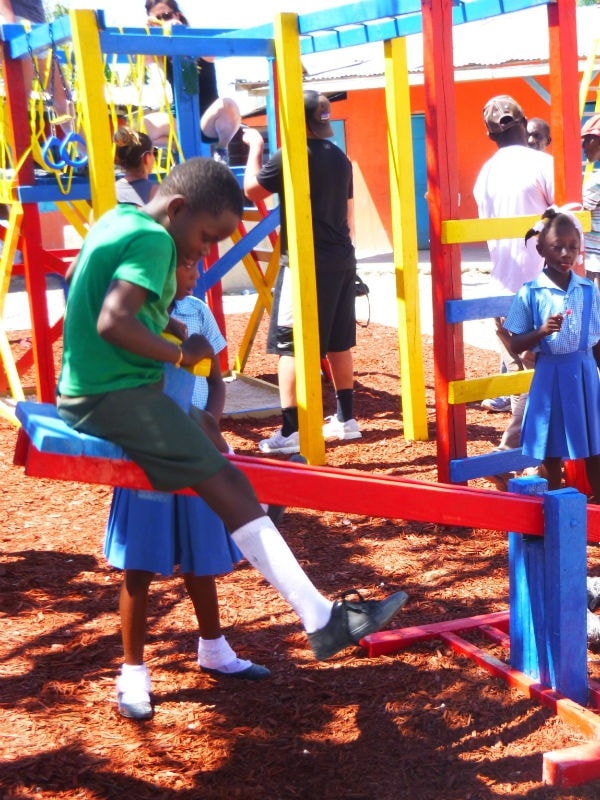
{"x":90,"y":77}
{"x":404,"y":237}
{"x":300,"y":237}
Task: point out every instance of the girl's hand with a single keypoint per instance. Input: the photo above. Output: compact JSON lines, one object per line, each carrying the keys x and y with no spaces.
{"x":194,"y":349}
{"x":552,"y":325}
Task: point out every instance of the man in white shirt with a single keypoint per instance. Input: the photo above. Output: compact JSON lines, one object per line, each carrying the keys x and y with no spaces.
{"x":515,"y":181}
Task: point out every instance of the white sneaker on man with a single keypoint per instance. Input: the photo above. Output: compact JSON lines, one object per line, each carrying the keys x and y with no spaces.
{"x":336,"y":429}
{"x":278,"y":443}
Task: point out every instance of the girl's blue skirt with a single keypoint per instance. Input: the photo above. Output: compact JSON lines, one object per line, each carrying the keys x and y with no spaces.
{"x":154,"y":531}
{"x":562,"y":416}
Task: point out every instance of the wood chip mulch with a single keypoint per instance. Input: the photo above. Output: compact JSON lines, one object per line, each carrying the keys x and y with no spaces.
{"x":424,"y":724}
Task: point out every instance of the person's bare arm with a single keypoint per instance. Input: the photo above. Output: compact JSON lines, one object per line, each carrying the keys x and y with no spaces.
{"x":118,"y":324}
{"x":252,"y":188}
{"x":519,"y":342}
{"x":216,"y":390}
{"x":6,"y":10}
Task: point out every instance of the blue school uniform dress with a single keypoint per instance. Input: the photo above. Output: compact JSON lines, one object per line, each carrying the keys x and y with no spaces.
{"x":562,"y":416}
{"x":154,"y":531}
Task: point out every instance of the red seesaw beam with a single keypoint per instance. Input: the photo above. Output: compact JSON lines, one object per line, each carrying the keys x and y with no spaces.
{"x":328,"y":489}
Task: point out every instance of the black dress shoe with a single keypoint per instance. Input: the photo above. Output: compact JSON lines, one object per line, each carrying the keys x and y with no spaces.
{"x":350,"y":621}
{"x":255,"y":672}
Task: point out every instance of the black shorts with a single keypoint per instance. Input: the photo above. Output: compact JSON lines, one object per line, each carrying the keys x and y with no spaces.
{"x":336,"y":298}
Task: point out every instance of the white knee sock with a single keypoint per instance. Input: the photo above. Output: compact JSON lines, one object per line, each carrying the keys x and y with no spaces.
{"x":263,"y":546}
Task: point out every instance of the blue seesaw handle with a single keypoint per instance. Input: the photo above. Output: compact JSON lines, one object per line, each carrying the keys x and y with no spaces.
{"x":76,"y":161}
{"x":48,"y":156}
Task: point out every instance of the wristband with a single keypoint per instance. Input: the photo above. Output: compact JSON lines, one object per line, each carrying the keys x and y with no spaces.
{"x":180,"y":359}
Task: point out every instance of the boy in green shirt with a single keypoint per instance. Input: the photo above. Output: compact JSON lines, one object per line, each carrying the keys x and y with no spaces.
{"x":111,"y":380}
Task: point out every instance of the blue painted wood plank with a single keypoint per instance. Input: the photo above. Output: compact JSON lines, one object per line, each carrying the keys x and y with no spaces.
{"x":47,"y":191}
{"x":565,"y":540}
{"x":495,"y":463}
{"x":352,"y":12}
{"x":49,"y":434}
{"x":183,"y":42}
{"x":39,"y":38}
{"x":482,"y":9}
{"x":229,"y":259}
{"x":526,"y":593}
{"x":477,"y":308}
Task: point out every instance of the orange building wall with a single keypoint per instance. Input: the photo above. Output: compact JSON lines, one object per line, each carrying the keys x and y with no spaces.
{"x":364,"y":115}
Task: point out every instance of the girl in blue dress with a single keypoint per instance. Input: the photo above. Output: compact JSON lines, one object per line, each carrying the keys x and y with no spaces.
{"x":557,"y":315}
{"x":153,"y":532}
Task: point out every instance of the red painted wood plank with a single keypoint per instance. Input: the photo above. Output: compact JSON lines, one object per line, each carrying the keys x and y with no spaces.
{"x":571,"y":766}
{"x":329,"y":489}
{"x":585,"y":720}
{"x":385,"y":642}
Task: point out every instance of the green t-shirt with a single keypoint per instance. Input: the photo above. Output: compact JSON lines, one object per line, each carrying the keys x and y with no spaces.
{"x":124,"y":244}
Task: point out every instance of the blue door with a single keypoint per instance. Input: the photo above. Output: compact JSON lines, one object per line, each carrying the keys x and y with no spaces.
{"x":420,"y":170}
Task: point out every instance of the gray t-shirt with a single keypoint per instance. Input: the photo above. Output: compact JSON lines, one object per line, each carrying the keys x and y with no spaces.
{"x":135,"y":193}
{"x":33,"y":10}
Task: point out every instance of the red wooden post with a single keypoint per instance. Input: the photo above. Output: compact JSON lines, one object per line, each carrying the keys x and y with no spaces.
{"x":564,"y":105}
{"x":442,"y":188}
{"x":34,"y":259}
{"x":214,"y":298}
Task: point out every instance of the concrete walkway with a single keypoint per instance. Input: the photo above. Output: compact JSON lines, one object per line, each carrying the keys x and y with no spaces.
{"x":378,"y":272}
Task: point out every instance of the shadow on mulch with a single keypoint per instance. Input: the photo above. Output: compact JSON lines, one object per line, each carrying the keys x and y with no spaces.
{"x":422,"y":724}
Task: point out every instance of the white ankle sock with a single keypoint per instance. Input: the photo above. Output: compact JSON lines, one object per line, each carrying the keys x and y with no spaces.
{"x":263,"y":546}
{"x":133,"y":684}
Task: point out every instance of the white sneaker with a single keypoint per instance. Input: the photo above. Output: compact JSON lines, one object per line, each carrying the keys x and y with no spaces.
{"x":278,"y":443}
{"x":335,"y":429}
{"x":593,"y":628}
{"x":496,"y":405}
{"x":593,"y":593}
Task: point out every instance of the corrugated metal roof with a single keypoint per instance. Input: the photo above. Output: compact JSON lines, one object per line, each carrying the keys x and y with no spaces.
{"x":516,"y":39}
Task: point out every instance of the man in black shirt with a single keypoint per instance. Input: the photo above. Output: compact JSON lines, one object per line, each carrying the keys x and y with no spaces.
{"x":331,"y":191}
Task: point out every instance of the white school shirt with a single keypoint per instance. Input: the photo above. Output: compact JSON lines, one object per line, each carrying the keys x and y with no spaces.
{"x":515,"y":181}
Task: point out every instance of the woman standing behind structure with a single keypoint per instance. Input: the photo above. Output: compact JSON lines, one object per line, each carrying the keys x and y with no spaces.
{"x":136,"y":155}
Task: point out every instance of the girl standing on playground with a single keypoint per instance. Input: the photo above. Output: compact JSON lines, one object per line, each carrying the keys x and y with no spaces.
{"x":151,"y":532}
{"x":557,"y":315}
{"x":136,"y":156}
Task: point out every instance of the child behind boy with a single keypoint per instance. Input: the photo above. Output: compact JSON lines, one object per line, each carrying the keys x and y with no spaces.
{"x":113,"y":363}
{"x":150,"y":532}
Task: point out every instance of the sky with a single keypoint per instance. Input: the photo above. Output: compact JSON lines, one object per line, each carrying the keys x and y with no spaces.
{"x":206,"y":14}
{"x":246,"y":13}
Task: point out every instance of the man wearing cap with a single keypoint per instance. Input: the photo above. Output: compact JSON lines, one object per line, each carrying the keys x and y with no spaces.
{"x":517,"y":180}
{"x":331,"y":191}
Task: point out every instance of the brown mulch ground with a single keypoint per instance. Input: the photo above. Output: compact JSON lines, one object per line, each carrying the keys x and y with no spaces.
{"x":423,"y":724}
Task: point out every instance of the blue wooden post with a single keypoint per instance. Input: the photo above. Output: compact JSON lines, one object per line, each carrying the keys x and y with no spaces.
{"x":565,"y":537}
{"x":547,"y":593}
{"x":187,"y":107}
{"x":526,"y":592}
